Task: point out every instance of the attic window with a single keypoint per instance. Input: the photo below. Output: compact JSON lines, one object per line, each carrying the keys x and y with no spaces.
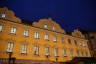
{"x":53,"y":28}
{"x":3,"y":15}
{"x":45,"y":26}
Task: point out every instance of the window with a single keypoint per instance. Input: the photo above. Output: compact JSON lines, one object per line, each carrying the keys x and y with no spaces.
{"x":78,"y":53}
{"x":1,"y":28}
{"x":26,"y":32}
{"x":13,"y":30}
{"x":75,"y":42}
{"x":24,"y":49}
{"x":53,"y":28}
{"x":71,"y":52}
{"x":47,"y":51}
{"x":62,"y":40}
{"x":36,"y":35}
{"x":36,"y":50}
{"x":46,"y":37}
{"x":45,"y":26}
{"x":55,"y":51}
{"x":54,"y":38}
{"x":64,"y":52}
{"x":69,"y":41}
{"x":10,"y":47}
{"x":3,"y":15}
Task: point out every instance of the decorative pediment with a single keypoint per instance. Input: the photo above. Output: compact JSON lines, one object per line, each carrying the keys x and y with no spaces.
{"x":49,"y":24}
{"x":77,"y":33}
{"x":8,"y":14}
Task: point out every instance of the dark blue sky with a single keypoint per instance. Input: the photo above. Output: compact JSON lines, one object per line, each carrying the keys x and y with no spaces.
{"x":70,"y":14}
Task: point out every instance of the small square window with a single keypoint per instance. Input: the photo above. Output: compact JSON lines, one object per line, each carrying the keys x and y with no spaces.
{"x":3,"y":15}
{"x":45,"y":26}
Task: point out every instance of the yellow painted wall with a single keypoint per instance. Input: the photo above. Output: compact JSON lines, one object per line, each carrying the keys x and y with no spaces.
{"x":19,"y":39}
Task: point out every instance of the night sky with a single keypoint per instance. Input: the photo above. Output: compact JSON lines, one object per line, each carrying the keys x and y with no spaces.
{"x":70,"y":14}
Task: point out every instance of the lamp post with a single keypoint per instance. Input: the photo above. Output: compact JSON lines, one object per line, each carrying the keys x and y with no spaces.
{"x":11,"y":58}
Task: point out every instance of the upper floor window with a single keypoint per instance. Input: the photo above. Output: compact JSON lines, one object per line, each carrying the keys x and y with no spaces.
{"x":71,"y":52}
{"x":1,"y":28}
{"x":36,"y":35}
{"x":24,"y":48}
{"x":36,"y":50}
{"x":62,"y":40}
{"x":3,"y":15}
{"x":13,"y":30}
{"x":53,"y":28}
{"x":69,"y":41}
{"x":10,"y":47}
{"x":78,"y":54}
{"x":54,"y":38}
{"x":46,"y":36}
{"x":26,"y":32}
{"x":45,"y":26}
{"x":64,"y":52}
{"x":47,"y":52}
{"x":75,"y":42}
{"x":55,"y":51}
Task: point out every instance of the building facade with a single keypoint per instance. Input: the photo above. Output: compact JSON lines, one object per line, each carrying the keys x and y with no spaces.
{"x":91,"y":36}
{"x":42,"y":42}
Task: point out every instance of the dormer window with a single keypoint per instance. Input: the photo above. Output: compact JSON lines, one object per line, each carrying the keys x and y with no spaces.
{"x":53,"y":28}
{"x":3,"y":15}
{"x":45,"y":26}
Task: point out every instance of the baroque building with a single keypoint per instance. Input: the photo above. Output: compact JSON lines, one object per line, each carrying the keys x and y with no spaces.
{"x":41,"y":42}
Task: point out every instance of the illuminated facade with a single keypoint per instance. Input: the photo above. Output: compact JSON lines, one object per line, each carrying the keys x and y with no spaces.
{"x":40,"y":43}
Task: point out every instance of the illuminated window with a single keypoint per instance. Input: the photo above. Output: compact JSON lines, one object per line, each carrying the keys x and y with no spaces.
{"x":26,"y":32}
{"x":24,"y":49}
{"x":62,"y":40}
{"x":36,"y":50}
{"x":13,"y":30}
{"x":71,"y":52}
{"x":53,"y":28}
{"x":55,"y":51}
{"x":45,"y":26}
{"x":64,"y":52}
{"x":10,"y":47}
{"x":3,"y":15}
{"x":36,"y":35}
{"x":47,"y":51}
{"x":54,"y":38}
{"x":46,"y":36}
{"x":1,"y":28}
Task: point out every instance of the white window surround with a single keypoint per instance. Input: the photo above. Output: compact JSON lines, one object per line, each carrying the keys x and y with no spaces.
{"x":36,"y":35}
{"x":64,"y":52}
{"x":24,"y":49}
{"x":3,"y":15}
{"x":46,"y":36}
{"x":13,"y":30}
{"x":26,"y":33}
{"x":45,"y":26}
{"x":55,"y":51}
{"x":53,"y":28}
{"x":10,"y":47}
{"x":36,"y":50}
{"x":71,"y":52}
{"x":47,"y":52}
{"x":54,"y":38}
{"x":1,"y":27}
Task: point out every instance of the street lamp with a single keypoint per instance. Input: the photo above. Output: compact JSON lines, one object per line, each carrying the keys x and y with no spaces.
{"x":11,"y":58}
